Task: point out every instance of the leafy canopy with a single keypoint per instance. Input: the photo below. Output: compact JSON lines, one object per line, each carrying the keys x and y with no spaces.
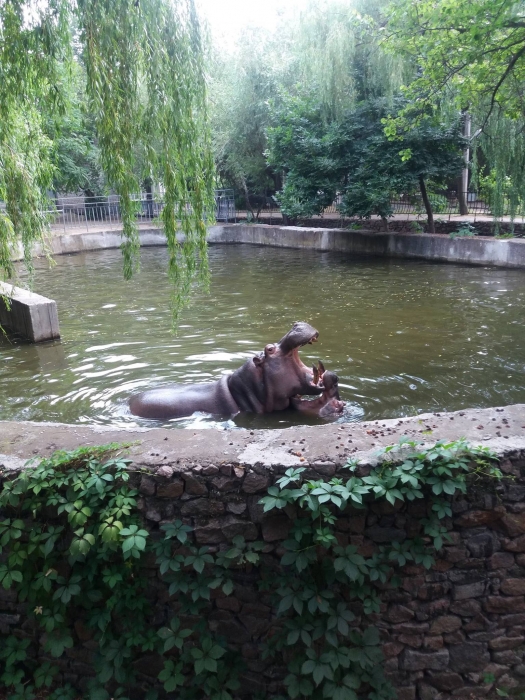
{"x":474,"y":51}
{"x":352,"y":158}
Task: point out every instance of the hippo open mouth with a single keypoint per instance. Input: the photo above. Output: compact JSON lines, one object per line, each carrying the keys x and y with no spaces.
{"x":300,"y":335}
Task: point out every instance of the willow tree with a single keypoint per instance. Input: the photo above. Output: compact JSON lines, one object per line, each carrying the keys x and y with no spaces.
{"x":338,"y":51}
{"x":145,"y":86}
{"x":242,"y":86}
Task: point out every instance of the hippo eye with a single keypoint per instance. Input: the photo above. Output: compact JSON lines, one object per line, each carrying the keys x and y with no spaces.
{"x":270,"y":348}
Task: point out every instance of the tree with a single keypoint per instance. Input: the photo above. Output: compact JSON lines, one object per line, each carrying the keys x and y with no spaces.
{"x":305,"y":147}
{"x":76,"y":155}
{"x":470,"y":57}
{"x":474,"y":51}
{"x":145,"y":84}
{"x":353,"y":158}
{"x":242,"y":86}
{"x":337,"y":50}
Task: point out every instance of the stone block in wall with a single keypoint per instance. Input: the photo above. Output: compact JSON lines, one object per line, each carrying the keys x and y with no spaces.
{"x":211,"y":533}
{"x":412,"y":660}
{"x":510,"y":657}
{"x":382,"y":535}
{"x":501,"y":560}
{"x":225,"y":484}
{"x":445,"y":624}
{"x":446,"y":681}
{"x":427,"y":692}
{"x":469,"y":657}
{"x":469,"y":590}
{"x":503,"y":643}
{"x":255,"y":483}
{"x":513,"y":586}
{"x":194,"y":486}
{"x":236,"y":507}
{"x":515,"y":545}
{"x":203,"y":507}
{"x":173,"y":489}
{"x":147,"y":486}
{"x":500,"y":604}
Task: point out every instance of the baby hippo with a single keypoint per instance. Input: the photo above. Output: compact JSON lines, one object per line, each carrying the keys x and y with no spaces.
{"x":327,"y":405}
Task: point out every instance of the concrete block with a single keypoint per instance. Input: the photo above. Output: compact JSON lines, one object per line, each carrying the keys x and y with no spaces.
{"x":33,"y":316}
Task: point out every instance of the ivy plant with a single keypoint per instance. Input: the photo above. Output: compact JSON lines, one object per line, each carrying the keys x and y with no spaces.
{"x":326,"y":591}
{"x":76,"y":552}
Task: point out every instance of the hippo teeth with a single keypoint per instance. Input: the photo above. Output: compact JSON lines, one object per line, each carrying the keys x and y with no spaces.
{"x":320,"y":368}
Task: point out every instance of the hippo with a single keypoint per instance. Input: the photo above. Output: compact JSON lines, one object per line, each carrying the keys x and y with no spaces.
{"x":265,"y":383}
{"x":327,"y":405}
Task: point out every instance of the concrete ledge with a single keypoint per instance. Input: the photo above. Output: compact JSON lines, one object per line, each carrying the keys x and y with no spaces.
{"x":501,"y":429}
{"x":33,"y":316}
{"x":481,"y":250}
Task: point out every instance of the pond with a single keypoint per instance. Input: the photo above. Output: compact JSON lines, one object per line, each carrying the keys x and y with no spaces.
{"x":403,"y":336}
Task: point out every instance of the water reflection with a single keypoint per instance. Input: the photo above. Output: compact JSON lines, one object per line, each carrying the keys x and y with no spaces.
{"x":403,"y":336}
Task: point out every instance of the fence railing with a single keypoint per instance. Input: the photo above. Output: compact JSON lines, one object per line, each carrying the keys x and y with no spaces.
{"x":103,"y":212}
{"x":445,"y":203}
{"x":77,"y":213}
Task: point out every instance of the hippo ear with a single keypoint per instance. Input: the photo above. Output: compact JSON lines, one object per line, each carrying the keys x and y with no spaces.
{"x":258,"y":360}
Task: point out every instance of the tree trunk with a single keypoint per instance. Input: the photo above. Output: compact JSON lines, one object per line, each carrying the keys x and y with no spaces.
{"x":247,"y":196}
{"x":148,"y":187}
{"x":384,"y":223}
{"x":463,"y":181}
{"x":428,"y":206}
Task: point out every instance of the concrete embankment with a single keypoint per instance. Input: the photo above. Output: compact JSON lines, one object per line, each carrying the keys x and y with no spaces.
{"x":479,"y":250}
{"x":501,"y":429}
{"x":30,"y":315}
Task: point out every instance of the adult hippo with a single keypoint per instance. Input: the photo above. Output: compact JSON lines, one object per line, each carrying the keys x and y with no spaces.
{"x":263,"y":384}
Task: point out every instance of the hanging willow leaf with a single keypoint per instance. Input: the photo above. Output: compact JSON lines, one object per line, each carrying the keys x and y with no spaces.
{"x":146,"y":86}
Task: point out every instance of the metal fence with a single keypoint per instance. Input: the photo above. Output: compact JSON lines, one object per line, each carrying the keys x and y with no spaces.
{"x":103,"y":213}
{"x":410,"y":204}
{"x":446,"y":202}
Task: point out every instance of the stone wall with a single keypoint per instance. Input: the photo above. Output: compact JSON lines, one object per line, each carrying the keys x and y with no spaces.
{"x":476,"y":250}
{"x":401,"y":242}
{"x":442,"y":224}
{"x":442,"y":631}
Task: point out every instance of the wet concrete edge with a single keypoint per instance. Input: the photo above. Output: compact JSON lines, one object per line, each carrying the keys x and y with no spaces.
{"x":500,"y":429}
{"x":481,"y":250}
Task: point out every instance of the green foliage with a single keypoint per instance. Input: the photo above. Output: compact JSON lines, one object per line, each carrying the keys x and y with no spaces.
{"x":76,"y":154}
{"x":464,"y":230}
{"x":75,"y":552}
{"x":474,"y":51}
{"x":242,"y":86}
{"x":326,"y":591}
{"x":469,"y":56}
{"x":353,"y":157}
{"x":146,"y":93}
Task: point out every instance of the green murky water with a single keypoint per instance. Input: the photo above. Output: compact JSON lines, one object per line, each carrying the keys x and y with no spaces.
{"x":404,"y":337}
